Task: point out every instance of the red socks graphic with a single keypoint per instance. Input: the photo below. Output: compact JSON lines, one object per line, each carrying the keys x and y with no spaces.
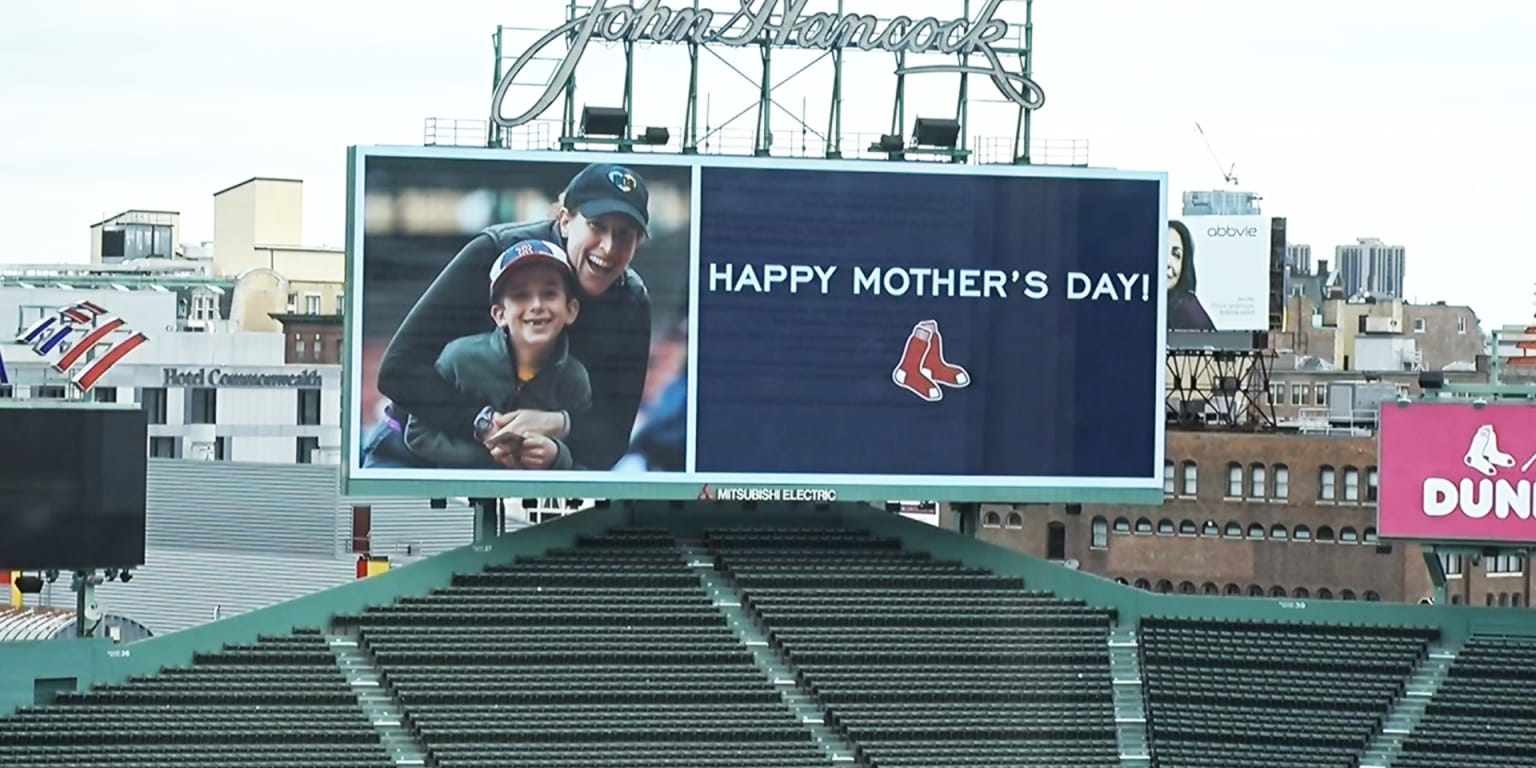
{"x":923,"y":367}
{"x":934,"y":364}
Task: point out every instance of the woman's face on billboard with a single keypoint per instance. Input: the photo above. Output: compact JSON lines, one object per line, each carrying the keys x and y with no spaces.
{"x":1175,"y":257}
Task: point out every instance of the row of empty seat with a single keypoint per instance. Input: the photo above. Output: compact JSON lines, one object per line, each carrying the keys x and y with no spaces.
{"x":281,"y":702}
{"x":925,"y":663}
{"x":608,"y":653}
{"x":1484,"y":713}
{"x":611,"y":653}
{"x":1250,"y":695}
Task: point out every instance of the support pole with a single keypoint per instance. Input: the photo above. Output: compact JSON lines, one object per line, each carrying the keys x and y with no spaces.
{"x":626,"y":141}
{"x":568,"y":120}
{"x":493,"y":134}
{"x":762,"y":143}
{"x":963,"y":110}
{"x":485,"y":520}
{"x":835,"y":114}
{"x":691,"y":113}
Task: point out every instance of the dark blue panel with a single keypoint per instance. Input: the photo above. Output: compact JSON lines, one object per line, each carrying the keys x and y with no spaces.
{"x":802,"y":382}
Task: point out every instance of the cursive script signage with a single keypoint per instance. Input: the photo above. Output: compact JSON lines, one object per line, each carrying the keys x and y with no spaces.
{"x":778,"y":23}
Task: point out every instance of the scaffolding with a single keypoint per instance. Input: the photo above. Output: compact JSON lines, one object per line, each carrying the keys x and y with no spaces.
{"x":1226,"y":388}
{"x":519,"y":45}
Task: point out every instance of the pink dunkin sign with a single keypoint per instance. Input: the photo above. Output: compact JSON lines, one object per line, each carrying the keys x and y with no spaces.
{"x":1454,"y":472}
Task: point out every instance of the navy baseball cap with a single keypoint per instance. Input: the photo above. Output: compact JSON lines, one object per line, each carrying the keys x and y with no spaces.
{"x":602,"y":188}
{"x":526,"y":253}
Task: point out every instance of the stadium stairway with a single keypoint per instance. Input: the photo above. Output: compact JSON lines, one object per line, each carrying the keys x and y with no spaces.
{"x":1130,"y":697}
{"x":1409,"y":708}
{"x":378,"y":701}
{"x":781,"y":674}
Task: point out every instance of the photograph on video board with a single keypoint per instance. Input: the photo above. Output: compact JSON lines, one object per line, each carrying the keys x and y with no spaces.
{"x":523,"y":315}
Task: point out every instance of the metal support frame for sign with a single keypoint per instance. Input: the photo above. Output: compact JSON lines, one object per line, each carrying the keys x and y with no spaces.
{"x":1018,"y":47}
{"x":1229,"y":386}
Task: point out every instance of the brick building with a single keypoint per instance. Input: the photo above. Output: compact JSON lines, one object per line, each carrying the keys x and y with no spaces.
{"x":1264,"y":515}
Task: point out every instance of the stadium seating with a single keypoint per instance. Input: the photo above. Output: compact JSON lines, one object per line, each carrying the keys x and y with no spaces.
{"x":924,"y":663}
{"x":608,"y":653}
{"x":1483,"y":714}
{"x":1233,"y":694}
{"x":281,"y":702}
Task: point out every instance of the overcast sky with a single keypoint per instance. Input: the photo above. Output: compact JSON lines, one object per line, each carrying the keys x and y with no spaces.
{"x":1407,"y":120}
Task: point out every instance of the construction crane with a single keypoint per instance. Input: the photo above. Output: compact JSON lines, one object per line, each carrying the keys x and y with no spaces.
{"x":1225,"y":174}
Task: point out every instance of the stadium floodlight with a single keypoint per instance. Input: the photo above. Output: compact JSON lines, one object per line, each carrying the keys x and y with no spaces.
{"x":656,"y":136}
{"x":940,"y":132}
{"x":604,"y":121}
{"x":1431,"y":379}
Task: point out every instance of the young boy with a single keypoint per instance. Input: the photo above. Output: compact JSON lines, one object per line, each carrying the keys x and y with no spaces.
{"x":523,"y":363}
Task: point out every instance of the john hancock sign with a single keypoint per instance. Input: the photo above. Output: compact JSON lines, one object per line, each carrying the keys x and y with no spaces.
{"x":781,"y":24}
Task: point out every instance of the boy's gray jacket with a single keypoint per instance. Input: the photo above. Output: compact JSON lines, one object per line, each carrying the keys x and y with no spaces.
{"x":484,"y":366}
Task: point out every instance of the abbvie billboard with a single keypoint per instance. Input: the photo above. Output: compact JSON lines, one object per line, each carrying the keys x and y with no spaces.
{"x":1218,"y":273}
{"x":689,"y":327}
{"x":1458,"y":472}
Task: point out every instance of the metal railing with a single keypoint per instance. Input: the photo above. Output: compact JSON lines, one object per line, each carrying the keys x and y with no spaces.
{"x":789,"y":142}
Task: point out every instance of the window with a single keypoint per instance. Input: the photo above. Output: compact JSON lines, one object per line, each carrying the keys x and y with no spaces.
{"x":1168,"y":487}
{"x":1351,"y":484}
{"x":1210,"y":588}
{"x":1282,"y":482}
{"x":1324,"y":533}
{"x":1277,"y":393}
{"x":1505,"y":565}
{"x":104,"y":394}
{"x":1461,"y":323}
{"x":1368,"y":536}
{"x":1143,"y":584}
{"x":1279,"y":532}
{"x":1233,"y":590}
{"x":299,"y":347}
{"x":304,"y":450}
{"x":1234,"y":481}
{"x":1122,"y":525}
{"x":1186,"y":587}
{"x":1187,"y":528}
{"x":1234,"y":530}
{"x":1296,"y":397}
{"x":1302,"y":533}
{"x":1256,"y":531}
{"x":1100,"y":532}
{"x":1325,"y":594}
{"x":1210,"y":529}
{"x":1165,"y":527}
{"x":49,"y":392}
{"x":1371,"y":480}
{"x":1347,"y":594}
{"x":1277,"y":591}
{"x":1347,"y":535}
{"x":309,"y":407}
{"x":1301,"y":592}
{"x":1143,"y":527}
{"x":164,"y":448}
{"x":1257,"y":482}
{"x":1255,"y":590}
{"x":152,"y":400}
{"x":1165,"y":586}
{"x":1325,"y":481}
{"x":311,"y":303}
{"x":1321,"y":395}
{"x":1372,"y":597}
{"x":221,"y":448}
{"x":202,"y":406}
{"x":1015,"y":520}
{"x":1191,"y":479}
{"x":991,"y":520}
{"x":318,"y":349}
{"x":1056,"y":541}
{"x":341,"y":303}
{"x":1451,"y":564}
{"x":1418,"y":325}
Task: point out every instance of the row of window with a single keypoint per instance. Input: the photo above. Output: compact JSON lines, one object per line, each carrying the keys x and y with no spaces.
{"x":166,"y":447}
{"x":202,"y":406}
{"x":1262,"y":483}
{"x":1233,"y":590}
{"x":1498,"y":565}
{"x":1233,"y":530}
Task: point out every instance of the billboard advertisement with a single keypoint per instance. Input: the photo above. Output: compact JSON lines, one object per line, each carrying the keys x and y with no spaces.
{"x":1218,"y":273}
{"x":687,"y":327}
{"x":1458,"y":472}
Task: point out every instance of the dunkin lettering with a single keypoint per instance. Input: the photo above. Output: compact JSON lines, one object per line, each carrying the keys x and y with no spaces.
{"x":1502,"y":497}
